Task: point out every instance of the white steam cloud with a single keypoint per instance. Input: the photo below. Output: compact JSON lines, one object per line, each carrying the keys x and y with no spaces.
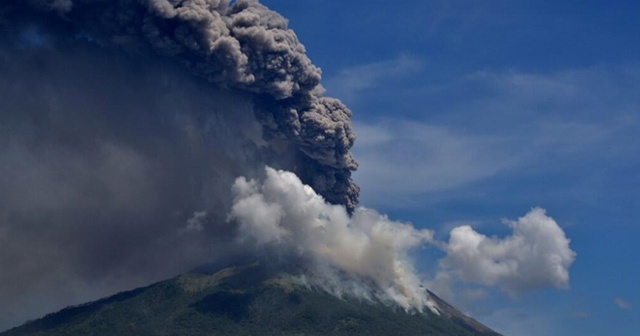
{"x":369,"y":256}
{"x":536,"y":255}
{"x":284,"y":214}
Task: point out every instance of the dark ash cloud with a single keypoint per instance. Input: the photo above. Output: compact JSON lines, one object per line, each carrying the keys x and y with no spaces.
{"x":123,"y":125}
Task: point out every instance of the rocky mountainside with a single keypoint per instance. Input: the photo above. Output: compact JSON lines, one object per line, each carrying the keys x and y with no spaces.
{"x":243,"y":301}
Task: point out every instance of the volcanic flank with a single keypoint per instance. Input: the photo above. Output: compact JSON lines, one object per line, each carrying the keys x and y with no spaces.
{"x":247,"y":300}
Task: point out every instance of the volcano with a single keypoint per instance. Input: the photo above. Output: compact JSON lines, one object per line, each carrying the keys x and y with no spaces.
{"x":246,"y":300}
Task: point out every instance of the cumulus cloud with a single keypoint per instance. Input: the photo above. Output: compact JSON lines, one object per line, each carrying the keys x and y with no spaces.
{"x":537,"y":254}
{"x":368,"y":255}
{"x":281,"y":213}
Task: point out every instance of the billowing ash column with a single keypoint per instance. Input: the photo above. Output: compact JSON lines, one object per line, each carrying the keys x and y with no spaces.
{"x":242,"y":46}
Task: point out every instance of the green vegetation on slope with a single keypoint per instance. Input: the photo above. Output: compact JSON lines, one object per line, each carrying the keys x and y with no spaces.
{"x":232,"y":302}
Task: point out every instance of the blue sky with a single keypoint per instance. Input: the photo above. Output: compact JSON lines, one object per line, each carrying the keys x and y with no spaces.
{"x":471,"y":112}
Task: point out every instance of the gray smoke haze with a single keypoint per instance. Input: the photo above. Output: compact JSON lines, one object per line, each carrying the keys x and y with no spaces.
{"x":123,"y":125}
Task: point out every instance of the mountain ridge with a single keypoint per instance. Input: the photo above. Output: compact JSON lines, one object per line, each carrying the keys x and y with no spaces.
{"x":243,"y":300}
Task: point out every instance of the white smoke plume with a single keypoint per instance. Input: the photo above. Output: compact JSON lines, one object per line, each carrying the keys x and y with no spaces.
{"x":282,"y":213}
{"x":536,"y":255}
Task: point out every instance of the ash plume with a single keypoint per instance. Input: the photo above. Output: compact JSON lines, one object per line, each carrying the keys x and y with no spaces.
{"x":245,"y":46}
{"x":123,"y":125}
{"x":135,"y":136}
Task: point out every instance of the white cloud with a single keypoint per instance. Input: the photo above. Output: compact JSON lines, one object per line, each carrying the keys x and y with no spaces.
{"x":196,"y":222}
{"x":622,"y":303}
{"x":570,"y":113}
{"x":536,"y":255}
{"x":349,"y":82}
{"x":369,"y":256}
{"x":402,"y":158}
{"x":491,"y":123}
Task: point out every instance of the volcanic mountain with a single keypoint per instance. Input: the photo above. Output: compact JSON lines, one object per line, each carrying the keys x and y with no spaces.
{"x":245,"y":300}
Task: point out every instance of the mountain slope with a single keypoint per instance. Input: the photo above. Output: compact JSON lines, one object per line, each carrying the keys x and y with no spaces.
{"x":242,"y":301}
